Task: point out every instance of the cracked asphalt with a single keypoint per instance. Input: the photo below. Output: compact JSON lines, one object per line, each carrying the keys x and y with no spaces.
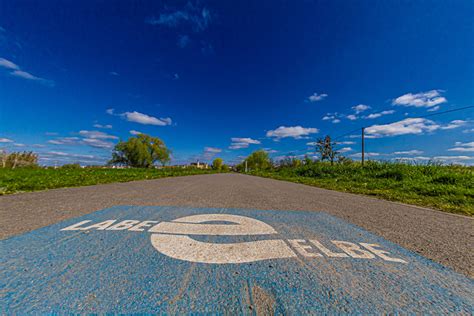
{"x":442,"y":237}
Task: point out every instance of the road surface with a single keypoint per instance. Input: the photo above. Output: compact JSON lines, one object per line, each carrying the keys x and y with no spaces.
{"x":251,"y":244}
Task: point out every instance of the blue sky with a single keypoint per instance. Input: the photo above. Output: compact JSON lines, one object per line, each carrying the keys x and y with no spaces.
{"x":222,"y":79}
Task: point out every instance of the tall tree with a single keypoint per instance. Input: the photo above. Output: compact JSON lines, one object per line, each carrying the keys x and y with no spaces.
{"x":141,"y":151}
{"x":326,"y":149}
{"x":258,"y":160}
{"x":217,"y":164}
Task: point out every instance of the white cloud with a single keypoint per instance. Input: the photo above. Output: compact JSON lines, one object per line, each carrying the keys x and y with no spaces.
{"x":113,"y":73}
{"x":379,"y":114}
{"x":63,"y":154}
{"x":317,"y":97}
{"x":238,"y":145}
{"x":345,"y":143}
{"x":245,"y":140}
{"x":5,"y":63}
{"x":466,"y":131}
{"x":65,"y":141}
{"x":134,"y":132}
{"x":333,"y":117}
{"x":453,"y":158}
{"x":96,"y":135}
{"x":270,"y":151}
{"x":198,"y":18}
{"x":19,"y":145}
{"x":141,"y":118}
{"x":6,"y":140}
{"x":238,"y":142}
{"x":328,"y":117}
{"x":408,"y":152}
{"x":26,"y":75}
{"x":433,"y":109}
{"x":212,"y":150}
{"x":422,"y":99}
{"x":16,"y":71}
{"x":360,"y":108}
{"x":403,"y":127}
{"x":359,"y":155}
{"x":296,"y":132}
{"x":344,"y":150}
{"x":454,"y":124}
{"x":352,"y":117}
{"x":95,"y":139}
{"x":108,"y":126}
{"x":463,"y":147}
{"x":98,"y":143}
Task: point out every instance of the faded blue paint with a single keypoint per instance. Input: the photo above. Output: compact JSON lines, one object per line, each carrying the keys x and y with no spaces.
{"x":53,"y":271}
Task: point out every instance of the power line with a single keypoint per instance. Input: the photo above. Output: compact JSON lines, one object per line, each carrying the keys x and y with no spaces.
{"x":448,"y":111}
{"x":422,"y":116}
{"x":363,"y":127}
{"x":348,"y":133}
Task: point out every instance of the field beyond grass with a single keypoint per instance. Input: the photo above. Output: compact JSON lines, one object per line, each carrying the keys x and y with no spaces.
{"x":35,"y":179}
{"x":446,"y":188}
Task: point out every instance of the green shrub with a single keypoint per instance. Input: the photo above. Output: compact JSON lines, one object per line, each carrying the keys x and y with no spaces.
{"x":445,"y":179}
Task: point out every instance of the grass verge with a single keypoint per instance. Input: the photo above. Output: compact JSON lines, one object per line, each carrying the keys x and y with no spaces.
{"x":35,"y":179}
{"x":446,"y":188}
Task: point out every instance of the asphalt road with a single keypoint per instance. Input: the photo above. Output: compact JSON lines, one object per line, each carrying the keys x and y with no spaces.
{"x":442,"y":237}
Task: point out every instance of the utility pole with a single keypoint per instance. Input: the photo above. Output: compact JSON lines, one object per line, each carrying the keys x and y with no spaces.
{"x":363,"y":145}
{"x":246,"y":166}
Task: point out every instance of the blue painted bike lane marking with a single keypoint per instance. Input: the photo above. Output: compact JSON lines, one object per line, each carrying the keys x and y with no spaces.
{"x":134,"y":259}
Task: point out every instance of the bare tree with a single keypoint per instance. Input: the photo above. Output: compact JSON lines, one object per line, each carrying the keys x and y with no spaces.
{"x":327,"y":149}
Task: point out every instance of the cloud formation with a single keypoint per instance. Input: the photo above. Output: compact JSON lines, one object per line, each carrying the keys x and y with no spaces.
{"x":142,"y":118}
{"x":53,"y":157}
{"x":6,"y":140}
{"x":379,"y":114}
{"x":238,"y":143}
{"x":410,"y":126}
{"x":98,"y":143}
{"x":344,"y":150}
{"x":191,"y":15}
{"x":296,"y":132}
{"x":94,"y":139}
{"x":454,"y":124}
{"x":426,"y":99}
{"x":212,"y":150}
{"x":65,"y":141}
{"x":360,"y":108}
{"x":351,"y":117}
{"x":463,"y":147}
{"x":108,"y":126}
{"x":409,"y":152}
{"x":369,"y":154}
{"x":96,"y":135}
{"x":16,"y":71}
{"x":315,"y":97}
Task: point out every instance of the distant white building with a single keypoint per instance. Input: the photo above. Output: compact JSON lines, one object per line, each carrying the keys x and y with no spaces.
{"x":199,"y":165}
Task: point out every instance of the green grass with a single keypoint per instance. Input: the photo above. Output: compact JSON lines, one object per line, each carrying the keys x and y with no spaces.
{"x":446,"y":188}
{"x":35,"y":179}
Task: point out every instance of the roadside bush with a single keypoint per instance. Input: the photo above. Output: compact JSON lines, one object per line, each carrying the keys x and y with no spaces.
{"x":445,"y":179}
{"x":445,"y":187}
{"x":18,"y":159}
{"x":71,"y":166}
{"x":391,"y":174}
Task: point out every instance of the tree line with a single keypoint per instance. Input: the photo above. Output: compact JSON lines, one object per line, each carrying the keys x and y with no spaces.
{"x":325,"y":147}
